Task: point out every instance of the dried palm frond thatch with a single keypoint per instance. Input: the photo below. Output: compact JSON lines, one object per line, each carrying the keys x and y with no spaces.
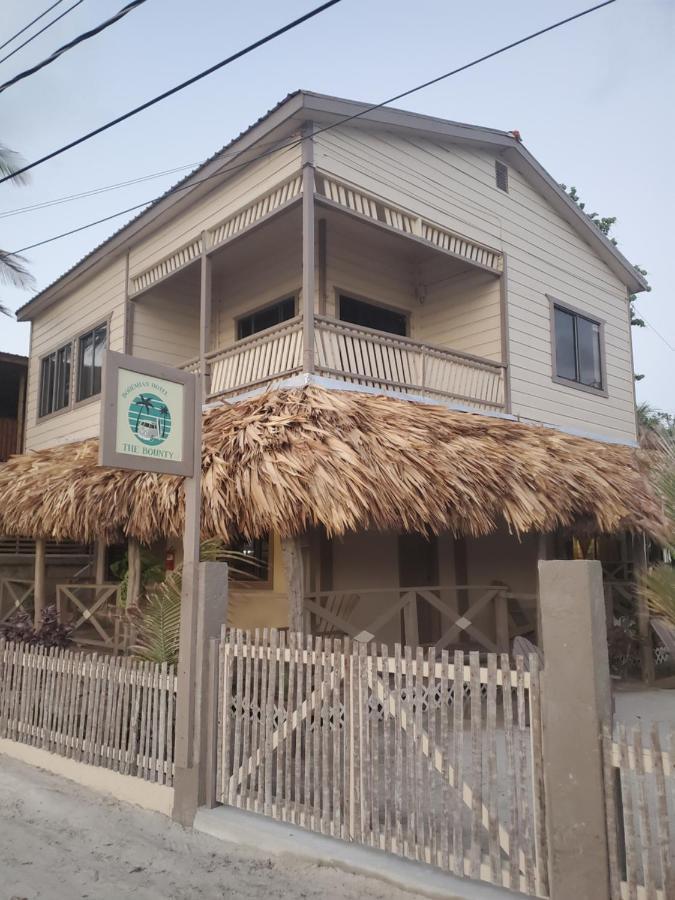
{"x":288,"y":459}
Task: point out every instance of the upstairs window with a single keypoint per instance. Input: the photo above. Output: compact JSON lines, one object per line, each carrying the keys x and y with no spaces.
{"x":55,"y":381}
{"x":502,"y":176}
{"x":267,"y":317}
{"x":90,"y":362}
{"x":578,"y":348}
{"x":370,"y":315}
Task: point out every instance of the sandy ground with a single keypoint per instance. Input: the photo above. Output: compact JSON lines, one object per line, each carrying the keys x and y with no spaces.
{"x":62,"y":842}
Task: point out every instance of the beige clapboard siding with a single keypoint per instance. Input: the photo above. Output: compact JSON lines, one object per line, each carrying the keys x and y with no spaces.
{"x":243,"y":187}
{"x":366,"y":267}
{"x":463,"y":313}
{"x":166,"y":325}
{"x":264,"y":268}
{"x":454,"y":186}
{"x":98,"y":299}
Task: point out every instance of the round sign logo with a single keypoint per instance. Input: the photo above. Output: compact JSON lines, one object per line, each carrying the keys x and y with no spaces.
{"x":149,"y":419}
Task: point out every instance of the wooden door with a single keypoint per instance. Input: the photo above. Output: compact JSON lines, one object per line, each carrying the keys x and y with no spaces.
{"x":418,"y":567}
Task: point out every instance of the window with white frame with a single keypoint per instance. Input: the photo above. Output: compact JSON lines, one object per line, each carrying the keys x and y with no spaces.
{"x":90,"y":361}
{"x":55,"y":380}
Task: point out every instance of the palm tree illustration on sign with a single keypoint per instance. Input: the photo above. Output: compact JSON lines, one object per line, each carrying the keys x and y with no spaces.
{"x":144,"y":405}
{"x":164,"y":413}
{"x":149,"y":419}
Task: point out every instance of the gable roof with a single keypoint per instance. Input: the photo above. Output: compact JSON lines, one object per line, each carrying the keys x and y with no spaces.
{"x":301,"y":106}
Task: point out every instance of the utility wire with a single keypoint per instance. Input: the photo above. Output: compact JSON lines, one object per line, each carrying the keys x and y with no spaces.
{"x":657,"y":333}
{"x":85,"y":36}
{"x":41,"y":31}
{"x":179,"y":87}
{"x":295,"y":143}
{"x":26,"y":27}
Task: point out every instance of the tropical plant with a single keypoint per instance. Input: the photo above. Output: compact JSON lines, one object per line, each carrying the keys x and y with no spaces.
{"x":49,"y":633}
{"x":12,"y":266}
{"x":158,"y":622}
{"x":658,"y":584}
{"x":152,"y":571}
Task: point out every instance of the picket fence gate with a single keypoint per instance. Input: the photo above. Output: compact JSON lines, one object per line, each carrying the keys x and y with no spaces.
{"x":640,"y":805}
{"x":419,"y":754}
{"x":113,"y":712}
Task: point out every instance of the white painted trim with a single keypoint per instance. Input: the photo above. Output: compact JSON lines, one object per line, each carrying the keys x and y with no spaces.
{"x":128,"y":788}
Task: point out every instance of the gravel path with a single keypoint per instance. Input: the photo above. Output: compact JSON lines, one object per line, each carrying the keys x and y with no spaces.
{"x":63,"y":842}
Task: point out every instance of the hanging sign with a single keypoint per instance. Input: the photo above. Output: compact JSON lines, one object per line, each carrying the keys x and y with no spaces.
{"x":147,"y":416}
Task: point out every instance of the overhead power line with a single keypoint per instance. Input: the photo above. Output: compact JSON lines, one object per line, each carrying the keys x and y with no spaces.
{"x":179,"y":87}
{"x":340,"y":122}
{"x":85,"y":36}
{"x":41,"y":31}
{"x":32,"y":22}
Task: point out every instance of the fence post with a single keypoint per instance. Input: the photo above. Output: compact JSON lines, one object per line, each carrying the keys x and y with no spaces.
{"x":190,"y":789}
{"x":577,"y":705}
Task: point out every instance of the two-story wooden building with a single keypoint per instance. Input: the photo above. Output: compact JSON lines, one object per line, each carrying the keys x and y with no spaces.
{"x":417,"y":372}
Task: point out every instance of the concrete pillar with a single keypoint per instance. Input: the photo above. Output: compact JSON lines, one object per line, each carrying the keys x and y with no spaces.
{"x":190,"y":787}
{"x":40,"y":580}
{"x":295,"y":580}
{"x":577,"y":704}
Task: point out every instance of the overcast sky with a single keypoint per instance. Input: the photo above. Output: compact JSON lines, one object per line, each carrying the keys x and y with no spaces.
{"x":594,"y":102}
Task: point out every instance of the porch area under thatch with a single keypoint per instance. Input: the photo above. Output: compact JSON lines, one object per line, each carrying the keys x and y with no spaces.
{"x":398,"y":513}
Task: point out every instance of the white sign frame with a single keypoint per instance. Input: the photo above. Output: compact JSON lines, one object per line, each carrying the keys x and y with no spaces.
{"x":109,"y":454}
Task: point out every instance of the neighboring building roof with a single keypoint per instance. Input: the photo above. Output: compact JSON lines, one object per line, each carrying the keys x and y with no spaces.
{"x":306,"y":105}
{"x":14,"y":359}
{"x":287,"y":460}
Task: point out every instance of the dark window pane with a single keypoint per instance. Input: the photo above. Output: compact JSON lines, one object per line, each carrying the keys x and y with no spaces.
{"x":99,"y":347}
{"x":55,"y":381}
{"x":254,"y":560}
{"x":85,"y":366}
{"x":588,"y":345}
{"x":369,"y":315}
{"x":565,"y":352}
{"x":267,"y":317}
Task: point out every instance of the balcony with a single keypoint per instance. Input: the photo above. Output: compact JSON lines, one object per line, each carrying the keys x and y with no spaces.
{"x":357,"y":355}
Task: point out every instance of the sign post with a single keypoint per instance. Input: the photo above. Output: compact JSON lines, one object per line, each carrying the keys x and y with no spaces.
{"x":151,"y":421}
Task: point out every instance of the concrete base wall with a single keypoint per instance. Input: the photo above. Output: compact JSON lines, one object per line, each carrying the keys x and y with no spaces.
{"x":155,"y":797}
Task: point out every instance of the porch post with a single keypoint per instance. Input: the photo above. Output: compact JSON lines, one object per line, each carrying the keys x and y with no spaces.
{"x":295,"y":578}
{"x":308,"y":248}
{"x":40,"y":580}
{"x":134,"y":574}
{"x":205,"y":294}
{"x":99,"y":561}
{"x":647,"y":672}
{"x":576,"y":708}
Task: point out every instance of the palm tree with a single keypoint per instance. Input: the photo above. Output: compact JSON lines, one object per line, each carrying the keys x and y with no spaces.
{"x":164,"y":412}
{"x":145,"y":404}
{"x":12,"y":266}
{"x":658,"y":585}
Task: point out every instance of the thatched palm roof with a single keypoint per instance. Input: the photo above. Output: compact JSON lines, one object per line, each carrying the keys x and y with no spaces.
{"x":289,"y":459}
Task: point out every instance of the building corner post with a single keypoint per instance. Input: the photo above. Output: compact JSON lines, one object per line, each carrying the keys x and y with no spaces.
{"x":308,"y":248}
{"x":40,"y":580}
{"x":576,"y":709}
{"x":647,"y":668}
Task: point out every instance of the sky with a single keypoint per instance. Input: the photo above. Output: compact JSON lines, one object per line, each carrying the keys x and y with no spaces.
{"x":593,"y":101}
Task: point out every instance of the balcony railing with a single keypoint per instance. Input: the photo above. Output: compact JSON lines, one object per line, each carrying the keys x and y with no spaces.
{"x":363,"y":356}
{"x":360,"y":356}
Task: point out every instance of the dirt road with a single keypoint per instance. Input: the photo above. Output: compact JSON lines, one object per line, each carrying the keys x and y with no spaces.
{"x":59,"y":841}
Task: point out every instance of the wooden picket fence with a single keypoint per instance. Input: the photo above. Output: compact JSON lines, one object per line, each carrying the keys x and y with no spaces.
{"x":429,"y":756}
{"x":640,"y":803}
{"x":114,"y":712}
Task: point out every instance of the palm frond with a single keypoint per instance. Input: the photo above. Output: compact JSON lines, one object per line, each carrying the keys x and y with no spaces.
{"x":658,"y":589}
{"x":158,"y":624}
{"x":13,"y":270}
{"x":10,"y":161}
{"x":5,"y":311}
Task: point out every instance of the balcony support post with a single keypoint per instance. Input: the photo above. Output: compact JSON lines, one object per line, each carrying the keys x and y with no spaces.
{"x":205,"y":316}
{"x":308,"y":248}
